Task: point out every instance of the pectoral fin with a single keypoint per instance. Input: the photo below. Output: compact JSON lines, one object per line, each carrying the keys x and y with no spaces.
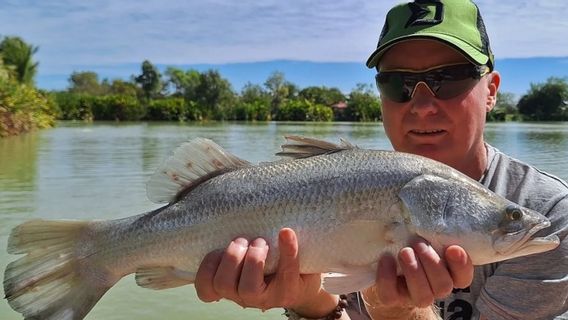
{"x":341,"y":283}
{"x":159,"y":278}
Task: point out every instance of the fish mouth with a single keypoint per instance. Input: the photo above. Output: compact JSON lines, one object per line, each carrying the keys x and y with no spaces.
{"x":540,"y":242}
{"x":527,"y":244}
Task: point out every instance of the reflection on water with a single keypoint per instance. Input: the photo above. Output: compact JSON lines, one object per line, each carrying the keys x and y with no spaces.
{"x":99,"y":171}
{"x":543,"y":145}
{"x":18,"y":172}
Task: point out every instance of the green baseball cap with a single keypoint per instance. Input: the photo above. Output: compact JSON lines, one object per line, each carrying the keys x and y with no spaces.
{"x":456,"y":23}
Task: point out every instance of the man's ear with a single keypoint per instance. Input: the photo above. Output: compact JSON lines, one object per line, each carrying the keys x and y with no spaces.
{"x":493,"y":82}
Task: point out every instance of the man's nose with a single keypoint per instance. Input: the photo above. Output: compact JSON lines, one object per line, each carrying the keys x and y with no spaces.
{"x":423,"y":100}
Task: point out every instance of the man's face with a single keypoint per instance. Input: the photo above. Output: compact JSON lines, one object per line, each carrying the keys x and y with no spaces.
{"x":450,"y":131}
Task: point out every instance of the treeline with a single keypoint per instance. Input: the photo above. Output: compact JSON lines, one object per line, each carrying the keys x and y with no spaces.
{"x":182,"y":95}
{"x":190,"y":95}
{"x":546,"y":101}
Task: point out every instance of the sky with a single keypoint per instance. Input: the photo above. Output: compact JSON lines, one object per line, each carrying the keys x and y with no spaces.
{"x":113,"y":37}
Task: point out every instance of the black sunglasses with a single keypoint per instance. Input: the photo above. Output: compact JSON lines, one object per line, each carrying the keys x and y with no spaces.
{"x":444,"y":82}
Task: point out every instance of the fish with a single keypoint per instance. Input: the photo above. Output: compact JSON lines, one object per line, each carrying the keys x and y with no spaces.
{"x":347,"y":205}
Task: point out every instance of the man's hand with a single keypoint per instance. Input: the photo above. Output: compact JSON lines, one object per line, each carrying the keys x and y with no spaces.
{"x":237,"y":274}
{"x":425,"y":277}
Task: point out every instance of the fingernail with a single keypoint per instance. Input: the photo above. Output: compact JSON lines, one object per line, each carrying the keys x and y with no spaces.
{"x":241,"y":242}
{"x":456,"y":256}
{"x":407,"y":256}
{"x":422,"y":248}
{"x":259,"y":243}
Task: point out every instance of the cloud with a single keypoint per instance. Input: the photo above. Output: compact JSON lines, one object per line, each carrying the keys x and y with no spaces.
{"x":526,"y":28}
{"x":108,"y":32}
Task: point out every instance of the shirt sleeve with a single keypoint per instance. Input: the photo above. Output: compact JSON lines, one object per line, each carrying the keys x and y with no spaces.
{"x":532,"y":287}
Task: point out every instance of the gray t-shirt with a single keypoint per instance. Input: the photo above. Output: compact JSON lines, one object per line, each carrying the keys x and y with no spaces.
{"x":532,"y":287}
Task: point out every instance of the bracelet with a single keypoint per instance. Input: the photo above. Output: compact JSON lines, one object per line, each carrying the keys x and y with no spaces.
{"x":333,"y":315}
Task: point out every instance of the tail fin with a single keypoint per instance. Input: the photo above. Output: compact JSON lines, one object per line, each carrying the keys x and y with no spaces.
{"x":50,"y":281}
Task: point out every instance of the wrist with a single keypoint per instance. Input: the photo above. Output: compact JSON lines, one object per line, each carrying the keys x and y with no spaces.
{"x":318,"y":306}
{"x":402,"y":311}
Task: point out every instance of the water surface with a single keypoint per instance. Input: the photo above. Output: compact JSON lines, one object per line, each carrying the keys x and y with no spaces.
{"x":99,"y":171}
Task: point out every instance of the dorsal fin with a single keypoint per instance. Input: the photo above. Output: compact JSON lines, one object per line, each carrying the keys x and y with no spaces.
{"x":298,"y":147}
{"x":190,"y":163}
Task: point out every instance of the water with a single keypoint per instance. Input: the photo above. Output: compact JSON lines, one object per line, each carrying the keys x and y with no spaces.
{"x":99,"y":171}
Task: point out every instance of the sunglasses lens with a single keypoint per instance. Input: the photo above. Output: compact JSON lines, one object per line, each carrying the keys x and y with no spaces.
{"x":392,"y":86}
{"x":446,"y":82}
{"x":451,"y":89}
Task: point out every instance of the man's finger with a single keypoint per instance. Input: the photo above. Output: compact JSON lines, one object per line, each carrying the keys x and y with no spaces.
{"x":205,"y":275}
{"x":251,"y":283}
{"x":226,"y":279}
{"x":416,"y":280}
{"x":436,"y":270}
{"x":386,"y":284}
{"x":460,"y":266}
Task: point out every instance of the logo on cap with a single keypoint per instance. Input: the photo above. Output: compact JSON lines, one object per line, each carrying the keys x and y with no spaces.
{"x":420,"y":10}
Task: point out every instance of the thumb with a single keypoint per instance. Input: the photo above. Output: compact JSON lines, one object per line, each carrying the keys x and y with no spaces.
{"x":285,"y":286}
{"x":289,"y":264}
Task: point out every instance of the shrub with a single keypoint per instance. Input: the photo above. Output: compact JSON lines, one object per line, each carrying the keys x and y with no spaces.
{"x":118,"y":108}
{"x":256,"y":110}
{"x":74,"y":106}
{"x":167,"y":109}
{"x":23,"y":108}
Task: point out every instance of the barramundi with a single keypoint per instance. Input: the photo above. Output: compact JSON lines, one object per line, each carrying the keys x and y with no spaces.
{"x":347,"y":205}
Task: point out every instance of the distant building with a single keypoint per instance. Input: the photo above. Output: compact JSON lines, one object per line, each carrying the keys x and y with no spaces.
{"x":340,"y":105}
{"x":339,"y":111}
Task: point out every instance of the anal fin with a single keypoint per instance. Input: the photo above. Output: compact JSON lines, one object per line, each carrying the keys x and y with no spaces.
{"x":159,"y":278}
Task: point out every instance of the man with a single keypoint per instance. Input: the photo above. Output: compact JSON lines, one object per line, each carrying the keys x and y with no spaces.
{"x":436,"y":79}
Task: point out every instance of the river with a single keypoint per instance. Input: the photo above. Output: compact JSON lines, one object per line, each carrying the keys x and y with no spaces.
{"x":99,"y":171}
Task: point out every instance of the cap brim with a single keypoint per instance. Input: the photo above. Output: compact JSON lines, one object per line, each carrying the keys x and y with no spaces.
{"x":470,"y":52}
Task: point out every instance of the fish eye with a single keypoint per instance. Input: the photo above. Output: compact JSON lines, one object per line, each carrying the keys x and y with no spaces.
{"x":514,"y":213}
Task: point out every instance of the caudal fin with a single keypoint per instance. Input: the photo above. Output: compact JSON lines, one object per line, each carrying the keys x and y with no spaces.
{"x":51,"y":281}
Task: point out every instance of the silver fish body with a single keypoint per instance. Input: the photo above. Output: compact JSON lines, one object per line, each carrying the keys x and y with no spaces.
{"x":347,"y":206}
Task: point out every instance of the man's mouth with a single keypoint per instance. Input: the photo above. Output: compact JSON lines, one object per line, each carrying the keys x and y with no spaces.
{"x":427,"y":132}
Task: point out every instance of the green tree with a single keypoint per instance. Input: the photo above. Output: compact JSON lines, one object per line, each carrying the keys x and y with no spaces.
{"x":215,"y":95}
{"x":254,"y":103}
{"x":279,"y":90}
{"x":85,"y":82}
{"x":363,"y":104}
{"x":150,"y":80}
{"x":505,"y":108}
{"x":546,"y":101}
{"x":254,"y":93}
{"x":322,"y":95}
{"x":293,"y":110}
{"x":121,"y":87}
{"x":4,"y":73}
{"x":318,"y":112}
{"x":117,"y":108}
{"x":169,"y":109}
{"x":18,"y":54}
{"x":184,"y":83}
{"x":74,"y":106}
